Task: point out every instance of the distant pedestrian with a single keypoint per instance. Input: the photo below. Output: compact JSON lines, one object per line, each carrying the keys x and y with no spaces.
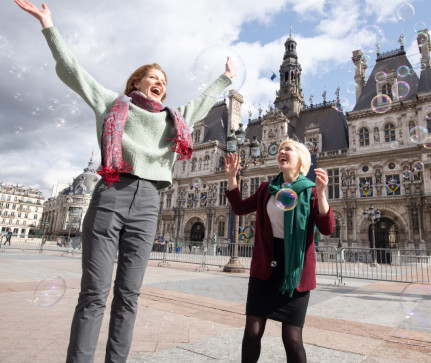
{"x":177,"y":247}
{"x":282,"y":270}
{"x":170,"y":246}
{"x":8,"y":237}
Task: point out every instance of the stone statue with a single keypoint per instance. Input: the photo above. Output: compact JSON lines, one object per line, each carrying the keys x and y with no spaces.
{"x":324,"y":95}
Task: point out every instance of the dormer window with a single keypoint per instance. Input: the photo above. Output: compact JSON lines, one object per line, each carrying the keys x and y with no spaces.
{"x":387,"y":90}
{"x":197,"y":136}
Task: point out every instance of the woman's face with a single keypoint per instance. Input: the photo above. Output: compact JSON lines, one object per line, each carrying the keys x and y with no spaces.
{"x":288,"y":159}
{"x":153,"y":85}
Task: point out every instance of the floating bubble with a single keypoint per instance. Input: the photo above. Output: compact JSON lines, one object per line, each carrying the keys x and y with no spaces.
{"x":418,"y":166}
{"x":406,"y":173}
{"x":366,"y":59}
{"x":286,"y":184}
{"x":210,"y":63}
{"x":422,"y":38}
{"x":405,"y":11}
{"x":50,"y":291}
{"x":394,"y":144}
{"x":400,"y":89}
{"x":19,"y":130}
{"x":415,"y":302}
{"x":286,"y":199}
{"x":18,"y":97}
{"x":351,"y":87}
{"x":428,"y":113}
{"x":67,"y":117}
{"x":403,"y":71}
{"x":72,"y":37}
{"x":369,"y":36}
{"x":420,"y":25}
{"x":341,"y":104}
{"x":42,"y":67}
{"x":52,"y":104}
{"x":380,"y":77}
{"x":73,"y":98}
{"x":381,"y":103}
{"x":20,"y":72}
{"x":197,"y":182}
{"x":36,"y":110}
{"x":427,"y":142}
{"x":418,"y":134}
{"x":10,"y":54}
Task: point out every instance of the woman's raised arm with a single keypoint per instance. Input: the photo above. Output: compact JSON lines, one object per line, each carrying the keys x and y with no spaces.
{"x":43,"y":15}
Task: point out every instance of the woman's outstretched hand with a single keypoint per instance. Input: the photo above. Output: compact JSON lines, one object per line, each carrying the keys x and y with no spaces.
{"x":231,"y":165}
{"x":229,"y":68}
{"x":43,"y":15}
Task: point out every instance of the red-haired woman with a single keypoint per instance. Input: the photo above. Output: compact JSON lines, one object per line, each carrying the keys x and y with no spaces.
{"x":140,"y":141}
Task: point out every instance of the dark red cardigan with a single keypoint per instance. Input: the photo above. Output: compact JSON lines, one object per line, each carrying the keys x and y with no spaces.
{"x":263,"y":250}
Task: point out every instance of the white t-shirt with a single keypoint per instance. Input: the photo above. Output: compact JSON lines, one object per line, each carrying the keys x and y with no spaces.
{"x":276,"y":216}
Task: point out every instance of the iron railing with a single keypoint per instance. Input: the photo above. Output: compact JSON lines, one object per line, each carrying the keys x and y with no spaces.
{"x":398,"y":265}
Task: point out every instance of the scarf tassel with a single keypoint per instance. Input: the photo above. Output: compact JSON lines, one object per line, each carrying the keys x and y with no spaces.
{"x":291,"y":282}
{"x":111,"y":176}
{"x":182,"y":148}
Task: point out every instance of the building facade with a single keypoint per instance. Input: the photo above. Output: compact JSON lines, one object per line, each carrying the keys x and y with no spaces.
{"x":368,"y":154}
{"x":20,"y":209}
{"x":64,"y":212}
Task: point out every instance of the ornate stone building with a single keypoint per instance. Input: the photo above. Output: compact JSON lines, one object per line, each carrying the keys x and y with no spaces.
{"x":20,"y":209}
{"x":63,"y":213}
{"x":359,"y":149}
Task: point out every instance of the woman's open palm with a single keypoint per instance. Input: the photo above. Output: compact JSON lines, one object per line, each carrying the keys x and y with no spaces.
{"x":43,"y":15}
{"x":232,"y":165}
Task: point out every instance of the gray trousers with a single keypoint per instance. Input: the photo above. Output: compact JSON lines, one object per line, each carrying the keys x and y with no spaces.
{"x":122,"y":217}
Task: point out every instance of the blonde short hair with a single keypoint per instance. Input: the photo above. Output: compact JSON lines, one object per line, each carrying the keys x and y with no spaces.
{"x":303,"y":154}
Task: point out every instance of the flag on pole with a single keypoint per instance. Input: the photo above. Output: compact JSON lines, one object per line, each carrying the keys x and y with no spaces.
{"x":273,"y":76}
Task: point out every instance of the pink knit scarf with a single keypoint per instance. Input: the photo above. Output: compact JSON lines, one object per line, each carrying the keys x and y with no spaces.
{"x":113,"y":129}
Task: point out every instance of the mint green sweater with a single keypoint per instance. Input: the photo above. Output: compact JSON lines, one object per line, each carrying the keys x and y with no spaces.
{"x":145,"y":145}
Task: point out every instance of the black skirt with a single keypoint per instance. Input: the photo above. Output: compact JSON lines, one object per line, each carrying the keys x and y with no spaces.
{"x":265,"y":300}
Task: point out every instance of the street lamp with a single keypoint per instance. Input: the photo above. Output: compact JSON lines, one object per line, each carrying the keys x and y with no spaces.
{"x":233,"y":141}
{"x":340,"y":224}
{"x":372,"y":217}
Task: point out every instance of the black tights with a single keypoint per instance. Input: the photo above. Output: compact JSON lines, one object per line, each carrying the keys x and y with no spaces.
{"x":253,"y":332}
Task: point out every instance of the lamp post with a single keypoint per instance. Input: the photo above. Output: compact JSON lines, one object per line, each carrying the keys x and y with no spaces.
{"x":235,"y":142}
{"x":372,"y":217}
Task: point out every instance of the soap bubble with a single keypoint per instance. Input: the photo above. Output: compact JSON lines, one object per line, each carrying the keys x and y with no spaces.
{"x":415,"y":302}
{"x":406,"y":173}
{"x":394,"y":144}
{"x":405,"y":11}
{"x":67,"y":117}
{"x":400,"y":89}
{"x":210,"y":63}
{"x":36,"y":110}
{"x":418,"y":166}
{"x":380,"y":77}
{"x":369,"y":36}
{"x":52,"y":104}
{"x":427,"y":142}
{"x":418,"y":134}
{"x":197,"y":182}
{"x":50,"y":291}
{"x":286,"y":199}
{"x":419,"y":25}
{"x":72,"y":37}
{"x":403,"y":71}
{"x":18,"y":130}
{"x":341,"y":104}
{"x":381,"y":103}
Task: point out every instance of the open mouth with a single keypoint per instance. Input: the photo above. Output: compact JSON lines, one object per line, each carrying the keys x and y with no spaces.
{"x":282,"y":160}
{"x":156,"y":91}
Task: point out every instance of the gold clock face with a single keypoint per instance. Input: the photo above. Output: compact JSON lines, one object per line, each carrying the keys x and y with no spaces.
{"x":273,"y":148}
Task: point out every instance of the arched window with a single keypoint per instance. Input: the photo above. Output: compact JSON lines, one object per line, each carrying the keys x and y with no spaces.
{"x":387,"y":90}
{"x":206,"y":162}
{"x":197,"y":136}
{"x":389,"y":132}
{"x":364,"y":137}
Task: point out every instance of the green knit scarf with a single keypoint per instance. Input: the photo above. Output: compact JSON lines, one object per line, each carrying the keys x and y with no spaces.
{"x":295,"y":230}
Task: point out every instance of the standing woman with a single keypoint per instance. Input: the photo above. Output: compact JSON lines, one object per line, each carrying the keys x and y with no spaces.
{"x":282,"y":271}
{"x":139,"y":140}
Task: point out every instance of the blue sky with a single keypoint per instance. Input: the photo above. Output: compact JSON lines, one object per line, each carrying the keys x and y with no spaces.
{"x":111,"y":39}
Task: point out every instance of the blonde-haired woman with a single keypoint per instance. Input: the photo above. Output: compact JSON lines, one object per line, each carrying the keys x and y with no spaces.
{"x":282,"y":271}
{"x":140,"y":140}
